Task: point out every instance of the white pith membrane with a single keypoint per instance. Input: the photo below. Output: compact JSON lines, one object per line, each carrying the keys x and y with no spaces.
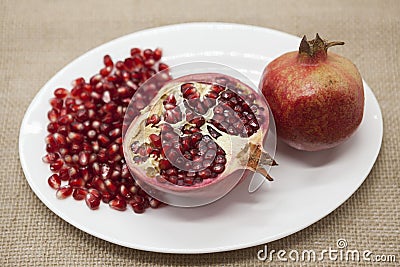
{"x":241,"y":152}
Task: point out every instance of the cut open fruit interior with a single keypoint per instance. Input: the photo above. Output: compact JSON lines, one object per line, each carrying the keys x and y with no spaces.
{"x":191,"y":141}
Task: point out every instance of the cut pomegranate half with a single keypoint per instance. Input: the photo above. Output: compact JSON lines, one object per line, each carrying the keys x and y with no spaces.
{"x":196,"y":137}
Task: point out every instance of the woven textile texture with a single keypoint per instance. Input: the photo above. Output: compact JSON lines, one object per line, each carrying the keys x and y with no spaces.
{"x":40,"y":37}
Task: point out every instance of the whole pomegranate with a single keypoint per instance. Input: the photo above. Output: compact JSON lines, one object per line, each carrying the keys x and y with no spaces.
{"x":196,"y":137}
{"x":317,"y":97}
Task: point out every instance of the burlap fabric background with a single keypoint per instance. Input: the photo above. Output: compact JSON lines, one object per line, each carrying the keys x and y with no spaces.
{"x":40,"y":37}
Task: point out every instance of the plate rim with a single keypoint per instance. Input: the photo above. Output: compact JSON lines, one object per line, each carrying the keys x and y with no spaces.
{"x":177,"y":27}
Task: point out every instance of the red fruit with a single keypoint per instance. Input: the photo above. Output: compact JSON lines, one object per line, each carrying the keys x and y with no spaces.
{"x":317,"y":97}
{"x":196,"y":153}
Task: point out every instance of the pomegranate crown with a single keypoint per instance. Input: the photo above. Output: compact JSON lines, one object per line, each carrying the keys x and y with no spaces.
{"x":316,"y":48}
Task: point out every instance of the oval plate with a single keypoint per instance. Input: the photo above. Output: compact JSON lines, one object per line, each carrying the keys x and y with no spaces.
{"x":318,"y":182}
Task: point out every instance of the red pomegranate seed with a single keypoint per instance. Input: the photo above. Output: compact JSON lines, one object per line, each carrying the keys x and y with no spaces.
{"x":105,"y":171}
{"x":129,"y":64}
{"x":77,"y":183}
{"x":69,"y":101}
{"x":102,"y":156}
{"x":105,"y":127}
{"x":63,"y":173}
{"x":91,"y":134}
{"x":111,"y":187}
{"x":63,"y":129}
{"x":149,"y":63}
{"x":52,"y":115}
{"x":135,"y":51}
{"x":188,"y":90}
{"x":82,"y":115}
{"x":115,"y":158}
{"x":76,"y":91}
{"x":61,"y":93}
{"x":50,"y":157}
{"x":115,"y":175}
{"x":92,"y":201}
{"x":162,"y":67}
{"x":124,"y":191}
{"x":52,"y":127}
{"x":204,"y":174}
{"x":155,"y":140}
{"x":60,"y":139}
{"x":63,"y":152}
{"x":148,"y":54}
{"x":138,"y":198}
{"x":154,"y":203}
{"x":56,"y":165}
{"x":125,"y":171}
{"x":112,"y":149}
{"x":114,"y":133}
{"x":118,"y":204}
{"x":76,"y":138}
{"x":99,"y":184}
{"x":137,"y":207}
{"x":170,"y":99}
{"x":79,"y":193}
{"x":64,"y":192}
{"x":94,"y":192}
{"x":218,"y":168}
{"x":108,"y":61}
{"x":77,"y":126}
{"x":103,"y":140}
{"x":54,"y":181}
{"x":157,"y":54}
{"x":164,"y":164}
{"x":75,"y":148}
{"x":51,"y":143}
{"x":123,"y":92}
{"x":65,"y":119}
{"x":72,"y":172}
{"x":107,"y":197}
{"x":134,"y":189}
{"x":56,"y":103}
{"x":78,"y":81}
{"x":86,"y":147}
{"x":83,"y":158}
{"x":198,"y":121}
{"x":153,"y":119}
{"x":96,"y":168}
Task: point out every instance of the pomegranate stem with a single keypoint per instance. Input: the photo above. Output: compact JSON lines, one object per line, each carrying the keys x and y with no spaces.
{"x":315,"y":50}
{"x":259,"y":157}
{"x":264,"y":173}
{"x":330,"y":44}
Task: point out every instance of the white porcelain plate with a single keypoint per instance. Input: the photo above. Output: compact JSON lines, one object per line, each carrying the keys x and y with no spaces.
{"x":307,"y":186}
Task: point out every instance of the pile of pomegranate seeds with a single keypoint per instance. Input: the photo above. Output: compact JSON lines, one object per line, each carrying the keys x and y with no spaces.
{"x":84,"y":145}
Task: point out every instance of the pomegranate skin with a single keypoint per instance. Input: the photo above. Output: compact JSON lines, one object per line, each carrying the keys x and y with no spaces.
{"x":317,"y":102}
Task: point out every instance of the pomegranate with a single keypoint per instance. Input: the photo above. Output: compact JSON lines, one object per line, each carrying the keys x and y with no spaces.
{"x":316,"y":97}
{"x":193,"y":141}
{"x":84,"y":145}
